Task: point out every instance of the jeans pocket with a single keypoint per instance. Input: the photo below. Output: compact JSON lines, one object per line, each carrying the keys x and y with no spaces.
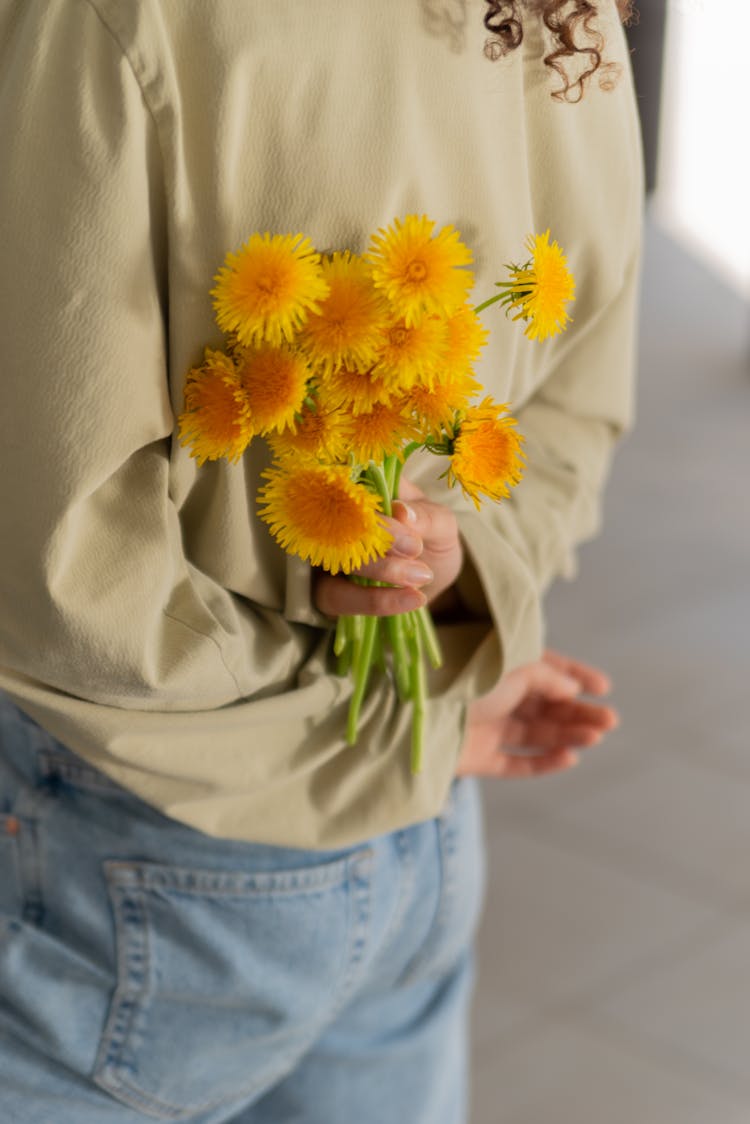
{"x":224,"y":978}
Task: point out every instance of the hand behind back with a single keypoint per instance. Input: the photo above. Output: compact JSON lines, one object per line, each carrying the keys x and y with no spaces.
{"x":534,"y":720}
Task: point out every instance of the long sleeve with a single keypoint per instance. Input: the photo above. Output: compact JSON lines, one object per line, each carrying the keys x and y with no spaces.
{"x":573,"y":395}
{"x":147,"y":618}
{"x":96,"y":593}
{"x":571,"y":429}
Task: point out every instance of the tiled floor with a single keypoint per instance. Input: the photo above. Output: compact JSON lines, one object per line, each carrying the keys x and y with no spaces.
{"x":615,"y":947}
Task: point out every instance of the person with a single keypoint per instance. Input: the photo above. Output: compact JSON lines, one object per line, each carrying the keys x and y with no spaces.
{"x":212,"y":908}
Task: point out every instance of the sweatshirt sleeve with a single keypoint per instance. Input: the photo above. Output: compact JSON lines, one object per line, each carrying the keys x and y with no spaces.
{"x":97,"y":598}
{"x":571,"y":425}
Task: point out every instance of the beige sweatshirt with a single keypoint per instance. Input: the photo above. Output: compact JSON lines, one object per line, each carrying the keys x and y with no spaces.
{"x":147,"y":618}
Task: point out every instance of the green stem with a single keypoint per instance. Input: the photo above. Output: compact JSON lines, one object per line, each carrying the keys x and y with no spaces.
{"x":378,"y":646}
{"x":391,"y":468}
{"x":342,"y":645}
{"x":486,"y":304}
{"x":399,"y":468}
{"x":377,"y":476}
{"x":401,"y":659}
{"x":341,"y":638}
{"x":362,"y":665}
{"x":419,"y":699}
{"x":429,"y":636}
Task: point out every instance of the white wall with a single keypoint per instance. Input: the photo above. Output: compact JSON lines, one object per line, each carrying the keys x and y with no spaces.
{"x":704,"y":171}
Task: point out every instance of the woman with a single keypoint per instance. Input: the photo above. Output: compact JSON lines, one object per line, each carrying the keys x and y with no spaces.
{"x":216,"y":910}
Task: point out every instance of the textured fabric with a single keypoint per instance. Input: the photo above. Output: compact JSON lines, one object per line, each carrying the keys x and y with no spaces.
{"x":148,"y":972}
{"x":147,"y":619}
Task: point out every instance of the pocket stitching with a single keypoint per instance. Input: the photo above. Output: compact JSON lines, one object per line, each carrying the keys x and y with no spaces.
{"x":131,"y":881}
{"x":219,"y":883}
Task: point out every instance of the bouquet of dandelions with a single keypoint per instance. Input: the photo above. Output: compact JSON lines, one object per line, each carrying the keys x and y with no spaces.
{"x":347,"y":365}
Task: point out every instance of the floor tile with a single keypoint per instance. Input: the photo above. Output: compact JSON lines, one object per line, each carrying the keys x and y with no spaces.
{"x":698,"y":1006}
{"x":557,"y":924}
{"x":571,"y":1072}
{"x":677,"y":824}
{"x":495,"y":1014}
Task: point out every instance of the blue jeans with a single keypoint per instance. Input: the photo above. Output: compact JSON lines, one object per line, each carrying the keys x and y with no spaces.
{"x":151,"y":972}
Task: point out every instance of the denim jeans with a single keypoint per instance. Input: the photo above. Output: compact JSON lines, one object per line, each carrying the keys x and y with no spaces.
{"x":151,"y":972}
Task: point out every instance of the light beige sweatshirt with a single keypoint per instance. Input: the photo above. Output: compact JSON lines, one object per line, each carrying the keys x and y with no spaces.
{"x":147,"y":618}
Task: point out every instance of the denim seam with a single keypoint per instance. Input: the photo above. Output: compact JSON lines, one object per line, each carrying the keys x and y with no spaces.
{"x":28,"y":810}
{"x":132,"y":973}
{"x":406,"y":870}
{"x":216,"y":883}
{"x":361,"y":881}
{"x":11,"y":870}
{"x":447,"y":833}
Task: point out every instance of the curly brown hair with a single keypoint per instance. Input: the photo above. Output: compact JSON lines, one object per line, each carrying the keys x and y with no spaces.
{"x":577,"y":44}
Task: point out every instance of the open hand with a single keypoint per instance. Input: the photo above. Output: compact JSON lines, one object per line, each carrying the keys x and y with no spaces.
{"x":534,"y":720}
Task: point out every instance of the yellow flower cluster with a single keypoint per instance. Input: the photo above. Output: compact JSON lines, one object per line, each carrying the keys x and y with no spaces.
{"x":347,"y":364}
{"x":340,"y":362}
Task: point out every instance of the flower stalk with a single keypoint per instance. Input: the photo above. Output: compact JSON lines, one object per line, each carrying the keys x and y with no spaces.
{"x":347,"y":365}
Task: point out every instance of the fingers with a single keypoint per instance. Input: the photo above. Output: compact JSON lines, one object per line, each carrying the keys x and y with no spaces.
{"x":568,"y":723}
{"x":557,"y":761}
{"x":397,"y":570}
{"x":530,"y":686}
{"x":542,"y":736}
{"x":546,"y":681}
{"x":407,"y":490}
{"x":435,"y":524}
{"x":508,"y":767}
{"x":481,"y":757}
{"x":566,"y":712}
{"x":426,"y":552}
{"x":338,"y":596}
{"x":592,"y":680}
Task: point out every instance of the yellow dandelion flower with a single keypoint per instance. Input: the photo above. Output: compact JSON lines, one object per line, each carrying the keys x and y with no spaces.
{"x":320,"y":514}
{"x":216,"y":420}
{"x":420,"y":272}
{"x":487,"y":457}
{"x":380,"y":432}
{"x":318,"y":434}
{"x":465,"y":337}
{"x":274,"y":380}
{"x":409,"y":355}
{"x":356,"y":391}
{"x":265,"y":292}
{"x":346,"y":330}
{"x":435,"y":407}
{"x":540,"y":290}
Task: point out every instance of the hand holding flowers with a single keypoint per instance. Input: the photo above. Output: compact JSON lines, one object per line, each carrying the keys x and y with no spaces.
{"x":423,"y":562}
{"x":347,"y":365}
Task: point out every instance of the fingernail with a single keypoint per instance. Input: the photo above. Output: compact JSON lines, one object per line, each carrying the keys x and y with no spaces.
{"x":417,"y":573}
{"x":411,"y":514}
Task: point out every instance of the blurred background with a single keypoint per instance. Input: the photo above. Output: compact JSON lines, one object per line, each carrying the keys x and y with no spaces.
{"x":614,"y":954}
